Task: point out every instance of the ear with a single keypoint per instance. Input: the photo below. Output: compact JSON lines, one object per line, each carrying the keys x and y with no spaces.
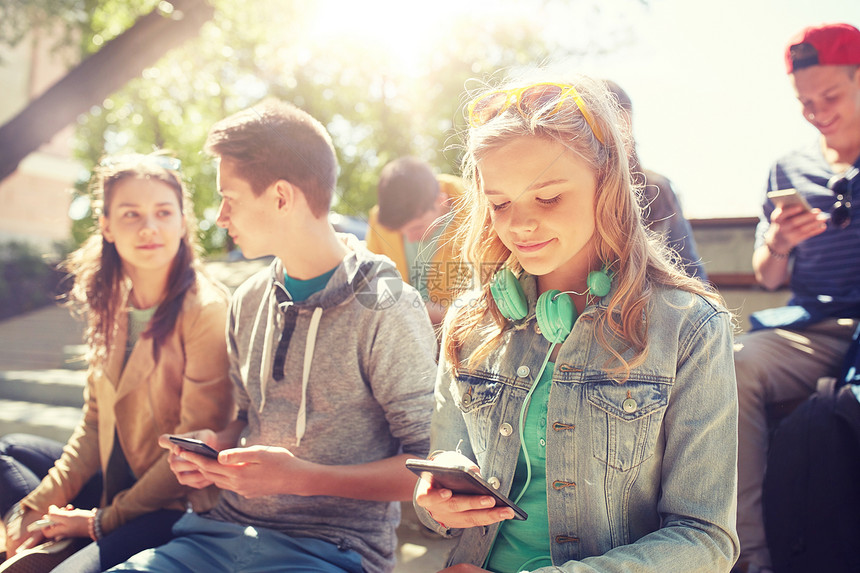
{"x":285,"y":194}
{"x":104,"y":226}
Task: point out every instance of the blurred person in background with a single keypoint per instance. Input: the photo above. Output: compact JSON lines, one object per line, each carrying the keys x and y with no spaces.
{"x":814,"y":251}
{"x":413,"y":224}
{"x":660,"y":207}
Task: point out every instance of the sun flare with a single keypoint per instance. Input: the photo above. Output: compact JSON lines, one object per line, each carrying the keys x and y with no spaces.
{"x":405,"y":33}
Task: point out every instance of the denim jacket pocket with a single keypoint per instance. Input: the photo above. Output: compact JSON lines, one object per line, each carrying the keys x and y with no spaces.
{"x":475,"y":395}
{"x":626,"y":420}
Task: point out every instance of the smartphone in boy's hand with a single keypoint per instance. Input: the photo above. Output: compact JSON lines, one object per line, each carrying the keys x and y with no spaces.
{"x":787,"y":197}
{"x":194,"y":445}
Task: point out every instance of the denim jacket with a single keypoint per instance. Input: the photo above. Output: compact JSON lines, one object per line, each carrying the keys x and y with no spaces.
{"x":641,"y":475}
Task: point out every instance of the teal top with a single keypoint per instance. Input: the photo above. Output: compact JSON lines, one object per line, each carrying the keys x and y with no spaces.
{"x":302,"y":290}
{"x":138,"y":320}
{"x":524,"y":545}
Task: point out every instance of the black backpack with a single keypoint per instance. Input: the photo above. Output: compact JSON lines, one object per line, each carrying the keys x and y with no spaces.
{"x":811,"y":493}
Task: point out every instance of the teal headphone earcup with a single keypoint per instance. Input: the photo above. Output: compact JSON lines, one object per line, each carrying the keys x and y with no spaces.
{"x":508,"y":295}
{"x":599,"y":283}
{"x":555,"y":315}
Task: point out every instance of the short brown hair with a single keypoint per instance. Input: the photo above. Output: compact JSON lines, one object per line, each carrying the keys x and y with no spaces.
{"x":407,"y":188}
{"x":275,"y":140}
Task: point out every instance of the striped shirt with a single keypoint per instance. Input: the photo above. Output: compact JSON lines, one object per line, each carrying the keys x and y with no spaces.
{"x":825,"y":274}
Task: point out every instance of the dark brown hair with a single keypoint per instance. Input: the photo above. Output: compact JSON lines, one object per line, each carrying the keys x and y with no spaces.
{"x":275,"y":141}
{"x":96,"y":267}
{"x":407,"y":189}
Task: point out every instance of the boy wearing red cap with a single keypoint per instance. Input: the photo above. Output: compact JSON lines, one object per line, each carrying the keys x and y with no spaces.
{"x":815,"y":251}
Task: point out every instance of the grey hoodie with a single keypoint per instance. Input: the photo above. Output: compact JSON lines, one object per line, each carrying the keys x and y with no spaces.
{"x":344,"y":377}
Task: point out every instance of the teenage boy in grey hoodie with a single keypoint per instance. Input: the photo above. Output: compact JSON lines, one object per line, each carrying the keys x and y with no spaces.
{"x":333,"y":360}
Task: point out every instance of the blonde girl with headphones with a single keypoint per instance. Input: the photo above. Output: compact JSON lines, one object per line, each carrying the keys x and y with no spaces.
{"x":586,"y":377}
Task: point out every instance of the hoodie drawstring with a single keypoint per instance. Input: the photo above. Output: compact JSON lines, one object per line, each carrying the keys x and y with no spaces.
{"x":301,"y":420}
{"x":265,"y":364}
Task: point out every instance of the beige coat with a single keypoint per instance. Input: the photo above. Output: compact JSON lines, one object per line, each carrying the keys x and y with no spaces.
{"x":187,"y":389}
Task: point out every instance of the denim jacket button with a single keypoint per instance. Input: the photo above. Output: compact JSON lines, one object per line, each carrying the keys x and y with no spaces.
{"x":629,"y":405}
{"x":467,"y":398}
{"x":523,"y":371}
{"x":494,"y":481}
{"x":506,"y":429}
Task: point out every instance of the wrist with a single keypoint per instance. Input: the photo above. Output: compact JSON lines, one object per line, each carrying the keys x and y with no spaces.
{"x":16,"y":512}
{"x":94,"y":526}
{"x":775,"y":252}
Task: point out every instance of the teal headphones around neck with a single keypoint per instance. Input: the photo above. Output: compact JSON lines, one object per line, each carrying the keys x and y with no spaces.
{"x":554,"y":310}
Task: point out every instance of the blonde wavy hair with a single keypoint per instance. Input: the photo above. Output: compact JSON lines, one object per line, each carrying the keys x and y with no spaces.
{"x":636,"y":259}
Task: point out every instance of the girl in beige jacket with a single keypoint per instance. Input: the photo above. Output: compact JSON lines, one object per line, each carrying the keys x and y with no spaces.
{"x":157,"y":364}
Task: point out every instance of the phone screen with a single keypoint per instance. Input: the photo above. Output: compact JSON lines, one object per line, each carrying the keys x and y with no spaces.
{"x":461,"y":480}
{"x":196,"y":446}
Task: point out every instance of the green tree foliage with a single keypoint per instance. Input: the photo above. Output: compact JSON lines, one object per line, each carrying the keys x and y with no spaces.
{"x":27,"y":280}
{"x":376,"y":105}
{"x":18,"y":17}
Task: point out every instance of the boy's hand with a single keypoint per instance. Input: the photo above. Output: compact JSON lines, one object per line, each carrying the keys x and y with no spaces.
{"x":791,"y":226}
{"x":257,"y":471}
{"x":458,"y":510}
{"x":187,"y":465}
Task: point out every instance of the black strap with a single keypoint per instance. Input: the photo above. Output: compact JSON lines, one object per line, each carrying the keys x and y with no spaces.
{"x":290,"y":315}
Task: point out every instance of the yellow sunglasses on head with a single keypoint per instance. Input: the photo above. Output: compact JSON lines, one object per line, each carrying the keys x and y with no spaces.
{"x":528,"y":100}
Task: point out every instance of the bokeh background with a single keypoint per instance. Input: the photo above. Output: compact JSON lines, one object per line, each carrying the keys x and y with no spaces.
{"x":712,"y":104}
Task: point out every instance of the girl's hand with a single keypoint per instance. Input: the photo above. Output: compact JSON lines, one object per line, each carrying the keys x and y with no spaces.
{"x":458,"y":510}
{"x":17,"y":536}
{"x":462,"y":568}
{"x":67,"y":522}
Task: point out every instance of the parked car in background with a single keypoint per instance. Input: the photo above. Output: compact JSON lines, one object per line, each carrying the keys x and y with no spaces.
{"x":349,"y":224}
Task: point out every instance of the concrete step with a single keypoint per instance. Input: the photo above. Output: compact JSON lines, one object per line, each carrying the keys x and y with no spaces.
{"x":55,"y":422}
{"x":35,"y":340}
{"x":74,"y":356}
{"x":41,"y":402}
{"x":55,"y":387}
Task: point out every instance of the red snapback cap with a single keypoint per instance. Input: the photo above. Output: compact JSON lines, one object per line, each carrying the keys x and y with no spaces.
{"x":823,"y":45}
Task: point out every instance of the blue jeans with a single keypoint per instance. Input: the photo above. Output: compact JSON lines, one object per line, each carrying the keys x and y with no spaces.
{"x":203,"y":544}
{"x":148,"y":530}
{"x":25,"y":460}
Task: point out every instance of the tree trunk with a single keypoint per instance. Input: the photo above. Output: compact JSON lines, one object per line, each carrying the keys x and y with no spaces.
{"x":97,"y":77}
